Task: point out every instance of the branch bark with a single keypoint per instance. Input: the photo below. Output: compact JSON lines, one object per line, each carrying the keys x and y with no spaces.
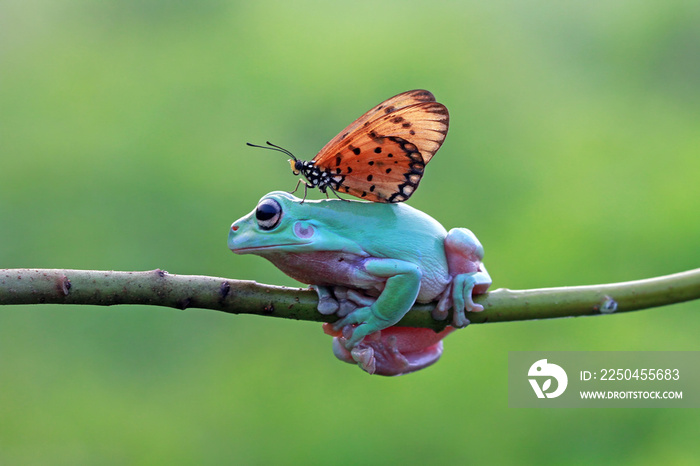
{"x":160,"y":288}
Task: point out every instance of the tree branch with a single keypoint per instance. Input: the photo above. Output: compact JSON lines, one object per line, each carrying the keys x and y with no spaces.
{"x":159,"y":288}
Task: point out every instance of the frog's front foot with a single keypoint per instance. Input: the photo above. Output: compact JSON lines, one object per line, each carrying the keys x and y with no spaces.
{"x":372,"y":355}
{"x":327,"y":304}
{"x":340,"y":300}
{"x":365,"y":322}
{"x":353,"y":307}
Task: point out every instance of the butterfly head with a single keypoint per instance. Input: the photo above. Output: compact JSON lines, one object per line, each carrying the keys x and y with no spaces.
{"x":296,"y":165}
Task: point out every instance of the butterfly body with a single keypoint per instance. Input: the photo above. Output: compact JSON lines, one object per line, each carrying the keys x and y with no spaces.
{"x":381,"y":156}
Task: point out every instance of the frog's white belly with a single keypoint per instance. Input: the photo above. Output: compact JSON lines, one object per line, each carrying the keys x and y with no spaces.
{"x":433,"y":282}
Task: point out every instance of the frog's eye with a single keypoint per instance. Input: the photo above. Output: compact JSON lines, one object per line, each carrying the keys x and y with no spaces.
{"x":268,"y":214}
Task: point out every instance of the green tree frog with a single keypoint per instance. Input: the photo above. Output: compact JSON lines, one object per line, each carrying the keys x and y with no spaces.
{"x":369,"y":263}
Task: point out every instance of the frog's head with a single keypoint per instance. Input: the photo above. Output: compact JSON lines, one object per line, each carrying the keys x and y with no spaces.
{"x":276,"y":225}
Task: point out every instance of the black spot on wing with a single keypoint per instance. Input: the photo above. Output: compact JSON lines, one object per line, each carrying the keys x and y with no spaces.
{"x":413,"y":176}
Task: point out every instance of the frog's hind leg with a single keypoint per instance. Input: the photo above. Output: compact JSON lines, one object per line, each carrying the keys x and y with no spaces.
{"x":460,"y":294}
{"x":464,"y":255}
{"x":392,"y":351}
{"x":462,"y":289}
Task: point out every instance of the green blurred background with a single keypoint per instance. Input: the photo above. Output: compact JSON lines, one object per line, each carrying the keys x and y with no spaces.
{"x":572,"y":154}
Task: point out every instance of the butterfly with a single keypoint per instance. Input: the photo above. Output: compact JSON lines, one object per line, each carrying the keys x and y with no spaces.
{"x":381,"y":156}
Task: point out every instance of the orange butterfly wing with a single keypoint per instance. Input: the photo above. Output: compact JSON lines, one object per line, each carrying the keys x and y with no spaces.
{"x":384,"y":169}
{"x":382,"y":155}
{"x":390,"y":105}
{"x":424,"y":125}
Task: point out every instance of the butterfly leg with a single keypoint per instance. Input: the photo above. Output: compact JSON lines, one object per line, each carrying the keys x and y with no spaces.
{"x":306,"y":190}
{"x":324,"y":189}
{"x":338,"y":195}
{"x":297,"y":187}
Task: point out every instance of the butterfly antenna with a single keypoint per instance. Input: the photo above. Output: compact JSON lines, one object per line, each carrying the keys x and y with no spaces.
{"x":275,"y":148}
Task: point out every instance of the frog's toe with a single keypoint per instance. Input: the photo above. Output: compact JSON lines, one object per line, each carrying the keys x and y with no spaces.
{"x":463,"y":288}
{"x":347,"y":320}
{"x":350,"y":299}
{"x":358,"y":316}
{"x":458,"y":302}
{"x":459,"y":320}
{"x":354,"y":335}
{"x":358,"y":334}
{"x":389,"y":359}
{"x":377,"y":355}
{"x":359,"y":298}
{"x":327,"y":304}
{"x":475,"y":307}
{"x":443,"y":305}
{"x":364,"y":356}
{"x":469,"y":304}
{"x":340,"y":352}
{"x":345,"y":308}
{"x":439,"y":314}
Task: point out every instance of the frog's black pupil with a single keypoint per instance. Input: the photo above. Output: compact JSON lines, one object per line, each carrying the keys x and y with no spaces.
{"x":266,"y":212}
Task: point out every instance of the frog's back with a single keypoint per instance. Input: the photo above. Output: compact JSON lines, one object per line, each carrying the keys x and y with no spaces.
{"x":384,"y":230}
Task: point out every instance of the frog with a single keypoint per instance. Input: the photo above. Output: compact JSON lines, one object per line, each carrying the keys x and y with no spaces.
{"x":370,"y":263}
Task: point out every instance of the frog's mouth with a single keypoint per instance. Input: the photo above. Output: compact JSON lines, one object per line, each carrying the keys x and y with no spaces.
{"x":262,"y":248}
